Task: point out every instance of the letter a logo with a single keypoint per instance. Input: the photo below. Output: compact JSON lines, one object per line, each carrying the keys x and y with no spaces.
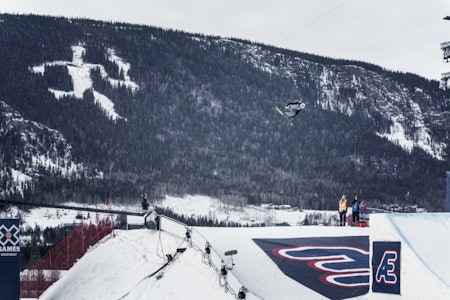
{"x":386,"y":267}
{"x":386,"y":272}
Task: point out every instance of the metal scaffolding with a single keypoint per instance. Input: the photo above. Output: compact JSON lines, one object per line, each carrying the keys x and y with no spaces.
{"x":445,"y":77}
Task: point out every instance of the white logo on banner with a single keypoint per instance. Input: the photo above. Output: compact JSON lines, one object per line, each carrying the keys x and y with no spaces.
{"x":9,"y":236}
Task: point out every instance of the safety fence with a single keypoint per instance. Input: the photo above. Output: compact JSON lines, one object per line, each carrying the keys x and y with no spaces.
{"x":221,"y":264}
{"x":62,"y":257}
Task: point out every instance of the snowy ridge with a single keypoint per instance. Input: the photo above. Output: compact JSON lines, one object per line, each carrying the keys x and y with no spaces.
{"x":80,"y":71}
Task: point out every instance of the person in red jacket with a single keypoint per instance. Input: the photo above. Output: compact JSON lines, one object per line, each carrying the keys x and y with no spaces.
{"x":342,"y":208}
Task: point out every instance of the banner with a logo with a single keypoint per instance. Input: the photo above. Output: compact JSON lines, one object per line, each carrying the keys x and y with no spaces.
{"x":9,"y":259}
{"x":386,"y":267}
{"x":335,"y":267}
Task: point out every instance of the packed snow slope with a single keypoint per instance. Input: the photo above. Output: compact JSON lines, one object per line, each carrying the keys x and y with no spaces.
{"x":118,"y":267}
{"x":425,"y":244}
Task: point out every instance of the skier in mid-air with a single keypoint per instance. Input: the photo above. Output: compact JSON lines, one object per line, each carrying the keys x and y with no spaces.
{"x":291,"y":109}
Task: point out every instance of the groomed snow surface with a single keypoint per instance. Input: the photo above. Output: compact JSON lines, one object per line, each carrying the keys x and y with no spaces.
{"x":117,"y":267}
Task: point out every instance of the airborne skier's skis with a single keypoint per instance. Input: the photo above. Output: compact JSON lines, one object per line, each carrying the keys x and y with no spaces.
{"x":291,"y":110}
{"x":283,"y":114}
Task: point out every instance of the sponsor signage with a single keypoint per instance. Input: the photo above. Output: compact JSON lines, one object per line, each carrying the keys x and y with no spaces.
{"x":386,"y":267}
{"x":9,"y":238}
{"x":335,"y":267}
{"x":9,"y":259}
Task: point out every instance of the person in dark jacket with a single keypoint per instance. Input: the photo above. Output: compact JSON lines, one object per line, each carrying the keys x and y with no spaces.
{"x":144,"y":202}
{"x":355,"y":210}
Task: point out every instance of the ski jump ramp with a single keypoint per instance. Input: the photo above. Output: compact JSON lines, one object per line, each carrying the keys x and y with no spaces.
{"x":289,"y":262}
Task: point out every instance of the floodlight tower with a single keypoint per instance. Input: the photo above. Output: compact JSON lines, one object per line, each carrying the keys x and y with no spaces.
{"x":445,"y":78}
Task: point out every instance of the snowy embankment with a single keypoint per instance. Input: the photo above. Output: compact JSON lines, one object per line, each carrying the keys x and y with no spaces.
{"x":248,"y":215}
{"x":117,"y":269}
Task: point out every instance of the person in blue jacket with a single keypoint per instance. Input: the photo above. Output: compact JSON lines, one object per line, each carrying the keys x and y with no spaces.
{"x":355,"y":210}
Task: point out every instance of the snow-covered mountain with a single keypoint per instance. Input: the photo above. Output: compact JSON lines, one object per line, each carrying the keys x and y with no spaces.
{"x":170,"y":112}
{"x":29,"y":150}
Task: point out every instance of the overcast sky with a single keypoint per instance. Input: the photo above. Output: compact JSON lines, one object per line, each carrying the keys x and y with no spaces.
{"x":400,"y":35}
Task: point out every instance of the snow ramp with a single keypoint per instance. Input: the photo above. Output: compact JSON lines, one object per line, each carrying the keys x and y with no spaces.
{"x":271,"y":262}
{"x":126,"y":267}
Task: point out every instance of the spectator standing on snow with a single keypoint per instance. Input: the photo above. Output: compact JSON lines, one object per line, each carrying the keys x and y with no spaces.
{"x":342,"y":208}
{"x":355,"y":210}
{"x":144,"y":202}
